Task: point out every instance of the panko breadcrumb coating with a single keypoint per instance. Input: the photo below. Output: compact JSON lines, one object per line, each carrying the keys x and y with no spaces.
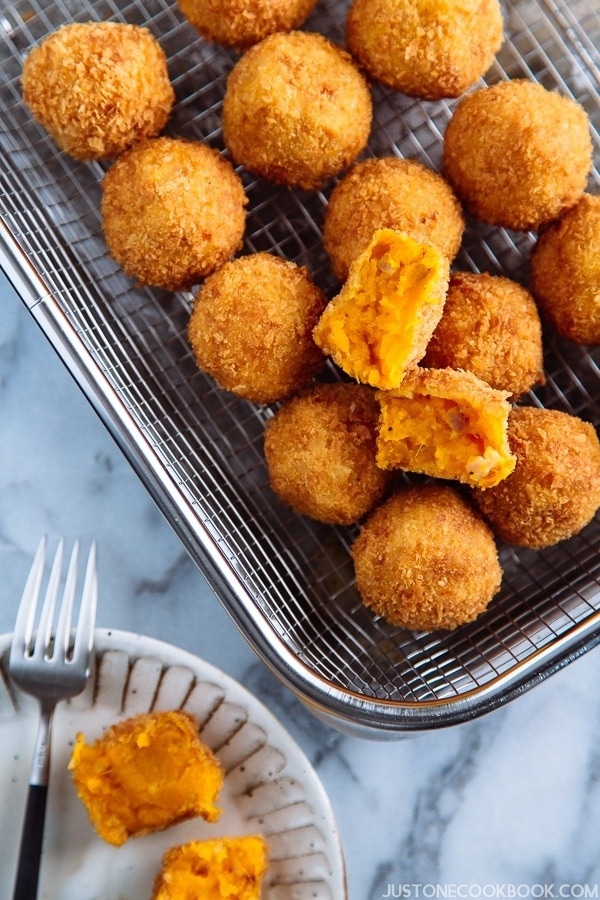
{"x":228,"y":868}
{"x":146,"y":773}
{"x":565,"y":272}
{"x":447,"y":424}
{"x":388,"y":192}
{"x":241,"y":23}
{"x":517,"y":154}
{"x":379,"y":324}
{"x":173,"y":211}
{"x":98,"y":87}
{"x":320,"y":450}
{"x":296,"y":110}
{"x":554,"y":490}
{"x":425,"y":48}
{"x":490,"y":326}
{"x":426,"y":560}
{"x":251,"y":327}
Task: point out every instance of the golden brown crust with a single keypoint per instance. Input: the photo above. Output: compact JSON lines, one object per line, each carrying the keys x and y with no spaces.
{"x":98,"y":87}
{"x":387,"y":192}
{"x":426,"y":560}
{"x":173,"y":211}
{"x":251,"y":327}
{"x":517,"y":154}
{"x":490,"y":326}
{"x":565,"y":272}
{"x":554,"y":490}
{"x":241,"y":23}
{"x":296,"y":110}
{"x":320,"y":452}
{"x":423,"y":48}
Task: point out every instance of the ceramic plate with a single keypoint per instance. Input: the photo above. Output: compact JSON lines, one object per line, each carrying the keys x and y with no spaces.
{"x":270,"y":787}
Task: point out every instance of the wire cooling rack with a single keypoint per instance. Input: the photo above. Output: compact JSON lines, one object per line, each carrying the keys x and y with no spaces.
{"x":288,"y":581}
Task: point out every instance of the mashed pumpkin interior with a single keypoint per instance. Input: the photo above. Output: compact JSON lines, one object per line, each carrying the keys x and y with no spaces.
{"x":145,"y":774}
{"x":454,"y":437}
{"x":219,"y":869}
{"x":381,"y":320}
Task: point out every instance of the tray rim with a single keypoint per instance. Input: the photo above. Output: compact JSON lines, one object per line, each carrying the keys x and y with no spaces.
{"x":371,"y":717}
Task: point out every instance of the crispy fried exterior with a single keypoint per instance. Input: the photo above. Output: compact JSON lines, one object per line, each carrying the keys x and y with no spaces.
{"x":379,"y":325}
{"x":251,"y":327}
{"x":98,"y":87}
{"x":320,"y":452}
{"x":448,"y":424}
{"x":426,"y":560}
{"x":554,"y":490}
{"x":173,"y":211}
{"x":387,"y":192}
{"x":425,"y":48}
{"x":565,"y":272}
{"x":146,"y":773}
{"x":241,"y":23}
{"x":517,"y":154}
{"x":490,"y":326}
{"x":296,"y":110}
{"x":228,"y":868}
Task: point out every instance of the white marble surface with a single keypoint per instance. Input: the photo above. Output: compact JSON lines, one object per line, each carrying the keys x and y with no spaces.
{"x":508,"y":805}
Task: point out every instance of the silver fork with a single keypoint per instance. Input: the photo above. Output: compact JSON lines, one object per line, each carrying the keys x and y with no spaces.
{"x":51,"y":665}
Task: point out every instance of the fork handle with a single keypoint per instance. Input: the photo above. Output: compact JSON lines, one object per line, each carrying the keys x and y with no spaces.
{"x":31,"y":843}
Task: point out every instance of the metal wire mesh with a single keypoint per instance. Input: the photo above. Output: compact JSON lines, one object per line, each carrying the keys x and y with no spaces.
{"x":208,"y":444}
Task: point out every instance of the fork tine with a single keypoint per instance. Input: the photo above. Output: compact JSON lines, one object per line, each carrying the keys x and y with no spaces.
{"x":23,"y":630}
{"x":62,"y":635}
{"x":44,"y":632}
{"x":84,"y":635}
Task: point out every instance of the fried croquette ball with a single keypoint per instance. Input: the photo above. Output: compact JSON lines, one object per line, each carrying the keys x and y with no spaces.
{"x":426,"y":560}
{"x":517,"y":154}
{"x":98,"y":87}
{"x":565,"y":272}
{"x":173,"y":211}
{"x":554,"y":490}
{"x":387,"y":192}
{"x":251,"y":327}
{"x":490,"y":326}
{"x":447,"y":424}
{"x":296,"y":110}
{"x":379,"y":324}
{"x":241,"y":23}
{"x":425,"y":48}
{"x":214,"y":869}
{"x":320,"y":450}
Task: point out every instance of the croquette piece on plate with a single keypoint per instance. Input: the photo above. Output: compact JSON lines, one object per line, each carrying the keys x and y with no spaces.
{"x":173,"y":211}
{"x":241,"y":23}
{"x":227,"y":868}
{"x":388,"y":192}
{"x":321,"y":450}
{"x":296,"y":110}
{"x":251,"y":327}
{"x":491,"y":327}
{"x":565,"y":272}
{"x":146,"y":773}
{"x":518,"y":155}
{"x":98,"y":87}
{"x":379,"y":325}
{"x":426,"y":560}
{"x":448,"y":424}
{"x":554,"y":490}
{"x":426,"y":48}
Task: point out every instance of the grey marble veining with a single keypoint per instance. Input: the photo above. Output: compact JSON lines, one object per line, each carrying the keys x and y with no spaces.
{"x":508,"y":805}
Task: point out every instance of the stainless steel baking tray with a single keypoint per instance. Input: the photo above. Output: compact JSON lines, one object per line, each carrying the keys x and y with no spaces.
{"x":288,"y":581}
